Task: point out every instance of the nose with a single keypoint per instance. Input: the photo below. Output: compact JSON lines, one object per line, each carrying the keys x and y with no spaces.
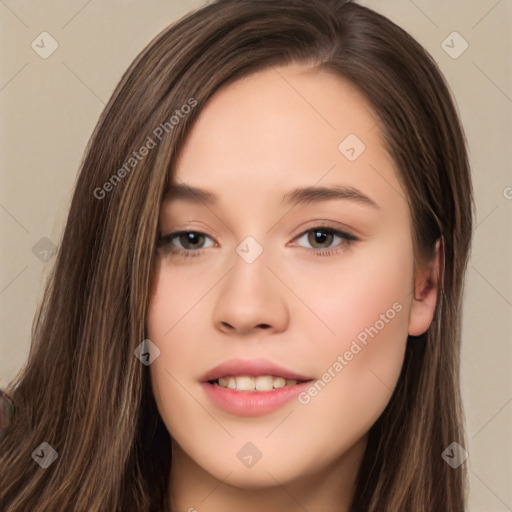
{"x":251,"y":298}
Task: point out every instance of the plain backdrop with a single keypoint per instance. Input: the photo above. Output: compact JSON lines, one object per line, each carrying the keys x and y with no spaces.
{"x":51,"y":105}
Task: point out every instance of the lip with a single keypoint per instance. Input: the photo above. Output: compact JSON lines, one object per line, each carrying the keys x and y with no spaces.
{"x":252,"y":403}
{"x":251,"y":368}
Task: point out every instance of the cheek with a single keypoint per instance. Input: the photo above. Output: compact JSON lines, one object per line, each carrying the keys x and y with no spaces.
{"x":170,"y":311}
{"x":174,"y":391}
{"x":365,"y":303}
{"x":357,"y":379}
{"x":172,"y":396}
{"x":369,"y":284}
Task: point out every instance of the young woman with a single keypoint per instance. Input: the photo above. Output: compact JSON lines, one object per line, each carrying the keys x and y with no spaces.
{"x":256,"y":300}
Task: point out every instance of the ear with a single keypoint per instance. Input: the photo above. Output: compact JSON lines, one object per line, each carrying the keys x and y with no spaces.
{"x":426,"y":284}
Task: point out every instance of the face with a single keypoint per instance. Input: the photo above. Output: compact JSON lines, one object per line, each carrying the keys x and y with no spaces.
{"x":260,"y":286}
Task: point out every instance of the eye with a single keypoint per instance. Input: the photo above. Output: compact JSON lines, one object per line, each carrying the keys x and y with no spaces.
{"x":322,"y":237}
{"x":191,"y":243}
{"x":186,"y":243}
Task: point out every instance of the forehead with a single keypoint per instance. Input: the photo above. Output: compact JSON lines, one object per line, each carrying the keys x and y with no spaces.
{"x":282,"y":128}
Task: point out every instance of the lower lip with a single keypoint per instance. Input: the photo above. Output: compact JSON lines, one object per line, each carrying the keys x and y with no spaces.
{"x":252,"y":403}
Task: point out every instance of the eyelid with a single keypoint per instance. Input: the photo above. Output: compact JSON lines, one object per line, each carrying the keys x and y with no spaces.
{"x":338,"y":229}
{"x":312,"y":224}
{"x":336,"y":226}
{"x":346,"y":239}
{"x":166,"y":239}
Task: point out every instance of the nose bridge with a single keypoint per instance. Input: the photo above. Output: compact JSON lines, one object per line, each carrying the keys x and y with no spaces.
{"x":249,"y":278}
{"x":250,"y":295}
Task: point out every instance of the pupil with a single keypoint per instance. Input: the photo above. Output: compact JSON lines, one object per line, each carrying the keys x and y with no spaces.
{"x":189,"y":238}
{"x":322,"y":234}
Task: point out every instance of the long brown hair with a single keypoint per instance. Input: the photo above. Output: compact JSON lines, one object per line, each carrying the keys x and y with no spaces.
{"x":82,"y":390}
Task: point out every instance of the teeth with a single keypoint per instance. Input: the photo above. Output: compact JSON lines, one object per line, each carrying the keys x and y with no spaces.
{"x":245,"y":383}
{"x":260,"y":383}
{"x":279,"y":382}
{"x":264,"y":383}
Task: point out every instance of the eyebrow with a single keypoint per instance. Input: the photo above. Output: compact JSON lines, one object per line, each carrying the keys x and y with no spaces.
{"x":304,"y":195}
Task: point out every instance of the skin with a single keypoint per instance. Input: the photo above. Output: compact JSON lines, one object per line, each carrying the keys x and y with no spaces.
{"x":254,"y":141}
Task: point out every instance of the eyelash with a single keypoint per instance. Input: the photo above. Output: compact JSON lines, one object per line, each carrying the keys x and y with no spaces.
{"x":347,"y":238}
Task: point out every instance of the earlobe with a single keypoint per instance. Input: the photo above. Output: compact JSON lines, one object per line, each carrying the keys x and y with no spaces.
{"x":426,"y":285}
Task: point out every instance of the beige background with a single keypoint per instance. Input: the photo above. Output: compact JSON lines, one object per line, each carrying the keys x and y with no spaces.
{"x":50,"y":107}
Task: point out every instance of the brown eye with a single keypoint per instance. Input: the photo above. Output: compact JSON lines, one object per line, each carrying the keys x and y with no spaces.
{"x":184,"y":243}
{"x":191,"y":239}
{"x":320,"y":236}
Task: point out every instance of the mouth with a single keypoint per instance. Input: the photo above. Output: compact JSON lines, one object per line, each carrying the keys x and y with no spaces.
{"x":253,"y":375}
{"x":253,"y":387}
{"x":262,"y":383}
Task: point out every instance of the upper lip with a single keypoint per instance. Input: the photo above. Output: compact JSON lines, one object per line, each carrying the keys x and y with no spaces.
{"x":251,"y":368}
